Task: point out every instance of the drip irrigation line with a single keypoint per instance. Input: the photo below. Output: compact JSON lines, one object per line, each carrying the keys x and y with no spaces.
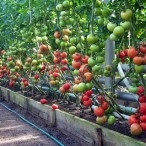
{"x":33,"y":125}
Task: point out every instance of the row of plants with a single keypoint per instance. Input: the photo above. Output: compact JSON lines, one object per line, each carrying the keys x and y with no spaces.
{"x":62,"y":44}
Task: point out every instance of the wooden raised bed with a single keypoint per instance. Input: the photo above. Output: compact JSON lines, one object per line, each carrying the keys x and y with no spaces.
{"x":91,"y":133}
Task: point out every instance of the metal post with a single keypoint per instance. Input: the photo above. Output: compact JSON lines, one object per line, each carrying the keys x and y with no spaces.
{"x":109,"y":57}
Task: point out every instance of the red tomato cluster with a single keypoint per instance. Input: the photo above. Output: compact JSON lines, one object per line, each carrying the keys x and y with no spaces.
{"x":139,"y":119}
{"x":65,"y":87}
{"x":122,"y":55}
{"x":4,"y":71}
{"x":79,"y":60}
{"x":86,"y":99}
{"x":24,"y":83}
{"x":103,"y":106}
{"x":60,"y":57}
{"x":138,"y":56}
{"x":11,"y":83}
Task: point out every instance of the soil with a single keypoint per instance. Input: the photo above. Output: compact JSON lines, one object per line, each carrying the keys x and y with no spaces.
{"x":15,"y":132}
{"x":85,"y":113}
{"x":67,"y":139}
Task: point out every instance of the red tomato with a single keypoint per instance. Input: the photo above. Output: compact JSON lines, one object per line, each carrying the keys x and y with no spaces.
{"x":100,"y":99}
{"x":54,"y":106}
{"x":36,"y":76}
{"x":98,"y":111}
{"x":88,"y":93}
{"x":57,"y":53}
{"x":105,"y":105}
{"x":142,"y":108}
{"x":43,"y":101}
{"x":64,"y":61}
{"x":132,"y":119}
{"x":76,"y":64}
{"x":66,"y":86}
{"x":63,"y":55}
{"x":135,"y":129}
{"x":142,"y":48}
{"x":77,"y":56}
{"x":85,"y":98}
{"x":140,"y":90}
{"x":132,"y":52}
{"x":84,"y":59}
{"x":87,"y":103}
{"x":143,"y":118}
{"x":143,"y":126}
{"x":142,"y":99}
{"x":25,"y":83}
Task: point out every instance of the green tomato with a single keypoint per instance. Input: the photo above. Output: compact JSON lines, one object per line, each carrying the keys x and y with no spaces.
{"x":111,"y":26}
{"x":98,"y":3}
{"x":92,"y":39}
{"x":76,"y":72}
{"x":66,"y":4}
{"x":111,"y":120}
{"x":118,"y":31}
{"x":96,"y":68}
{"x":108,"y":67}
{"x":106,"y":12}
{"x":59,"y":7}
{"x":63,"y":44}
{"x":100,"y":21}
{"x":126,"y":15}
{"x":34,"y":62}
{"x":73,"y":40}
{"x":94,"y":48}
{"x":57,"y":41}
{"x":39,"y":39}
{"x":81,"y":87}
{"x":113,"y":37}
{"x":62,"y":23}
{"x":12,"y":70}
{"x":107,"y":73}
{"x":125,"y":25}
{"x":89,"y":86}
{"x":44,"y":38}
{"x":132,"y":89}
{"x":72,"y":49}
{"x":91,"y":62}
{"x":139,"y":68}
{"x":100,"y":59}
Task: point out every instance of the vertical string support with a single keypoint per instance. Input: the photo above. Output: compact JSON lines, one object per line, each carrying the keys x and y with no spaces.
{"x":30,"y":14}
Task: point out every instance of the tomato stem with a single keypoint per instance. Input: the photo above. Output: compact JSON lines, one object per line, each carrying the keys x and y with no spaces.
{"x":92,"y":17}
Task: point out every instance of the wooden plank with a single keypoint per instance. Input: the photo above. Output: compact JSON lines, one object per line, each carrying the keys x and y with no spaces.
{"x":86,"y":131}
{"x":98,"y":137}
{"x":5,"y":93}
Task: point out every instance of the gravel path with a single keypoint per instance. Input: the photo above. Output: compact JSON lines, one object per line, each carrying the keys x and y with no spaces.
{"x":15,"y":132}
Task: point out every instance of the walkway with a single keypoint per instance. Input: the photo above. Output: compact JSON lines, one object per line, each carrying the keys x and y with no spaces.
{"x":15,"y":132}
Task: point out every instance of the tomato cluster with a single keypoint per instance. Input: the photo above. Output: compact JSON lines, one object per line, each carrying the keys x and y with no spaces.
{"x":138,"y":56}
{"x":86,"y":98}
{"x":138,"y":121}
